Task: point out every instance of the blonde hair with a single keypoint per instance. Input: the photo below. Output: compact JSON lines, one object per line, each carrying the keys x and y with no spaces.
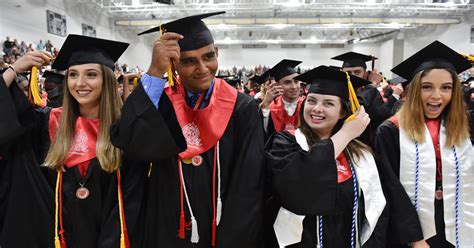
{"x":412,"y":118}
{"x":109,"y":110}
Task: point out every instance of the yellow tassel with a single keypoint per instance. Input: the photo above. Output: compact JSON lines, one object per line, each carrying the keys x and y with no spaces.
{"x":353,"y":101}
{"x":149,"y":170}
{"x":34,"y":94}
{"x":135,"y":82}
{"x":57,"y":243}
{"x":122,"y":241}
{"x":170,"y":68}
{"x":170,"y":76}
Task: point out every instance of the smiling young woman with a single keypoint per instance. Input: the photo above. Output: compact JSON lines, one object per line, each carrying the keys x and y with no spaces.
{"x":75,"y":198}
{"x":426,"y":154}
{"x":320,"y":176}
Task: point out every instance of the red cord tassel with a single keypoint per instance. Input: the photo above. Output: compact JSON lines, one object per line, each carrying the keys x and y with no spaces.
{"x":181,"y":226}
{"x":214,"y":226}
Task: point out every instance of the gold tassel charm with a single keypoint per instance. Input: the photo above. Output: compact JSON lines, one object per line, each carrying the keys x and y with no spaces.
{"x":353,"y":101}
{"x":34,"y":96}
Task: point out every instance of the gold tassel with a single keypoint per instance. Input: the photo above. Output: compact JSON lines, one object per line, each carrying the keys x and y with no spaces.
{"x":122,"y":241}
{"x":149,"y":170}
{"x":353,"y":101}
{"x":57,"y":243}
{"x":34,"y":93}
{"x":135,"y":82}
{"x":170,"y":68}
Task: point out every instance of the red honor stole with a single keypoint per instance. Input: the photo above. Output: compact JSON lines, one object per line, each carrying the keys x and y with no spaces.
{"x":281,"y":120}
{"x":343,"y":169}
{"x":83,"y":148}
{"x":203,"y":128}
{"x":433,"y":126}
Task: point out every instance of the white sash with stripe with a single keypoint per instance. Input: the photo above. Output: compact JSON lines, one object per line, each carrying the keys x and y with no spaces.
{"x":288,"y":226}
{"x":427,"y":184}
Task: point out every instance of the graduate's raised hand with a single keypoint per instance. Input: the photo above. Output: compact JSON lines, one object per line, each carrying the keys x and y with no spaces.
{"x":374,"y":77}
{"x":420,"y":244}
{"x":355,"y":127}
{"x":165,"y":50}
{"x":274,"y":90}
{"x":25,"y":63}
{"x":398,"y":89}
{"x":30,"y":59}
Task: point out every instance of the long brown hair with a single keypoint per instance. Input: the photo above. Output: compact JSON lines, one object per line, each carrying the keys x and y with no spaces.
{"x":355,"y":147}
{"x":109,"y":110}
{"x":412,"y":118}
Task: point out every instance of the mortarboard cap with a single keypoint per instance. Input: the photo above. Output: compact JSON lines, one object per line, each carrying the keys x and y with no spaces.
{"x":283,"y":68}
{"x":337,"y":68}
{"x":327,"y":81}
{"x":434,"y":56}
{"x":53,"y":77}
{"x":398,"y":80}
{"x":353,"y":59}
{"x":194,"y":31}
{"x":255,"y":79}
{"x":79,"y":49}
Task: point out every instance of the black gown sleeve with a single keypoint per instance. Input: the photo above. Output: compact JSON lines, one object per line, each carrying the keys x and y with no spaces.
{"x":303,"y":182}
{"x":15,"y":111}
{"x":404,"y":226}
{"x":146,"y":133}
{"x":243,"y":206}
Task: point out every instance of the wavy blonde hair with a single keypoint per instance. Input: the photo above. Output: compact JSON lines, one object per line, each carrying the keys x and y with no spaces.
{"x":412,"y":118}
{"x":109,"y":110}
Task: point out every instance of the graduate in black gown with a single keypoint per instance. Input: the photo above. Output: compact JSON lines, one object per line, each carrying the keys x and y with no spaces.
{"x":282,"y":102}
{"x":427,"y":164}
{"x":325,"y":181}
{"x":201,"y":143}
{"x":54,"y":86}
{"x":60,"y":183}
{"x":369,"y":96}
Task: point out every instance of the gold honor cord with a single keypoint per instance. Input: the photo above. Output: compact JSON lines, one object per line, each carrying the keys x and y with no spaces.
{"x":353,"y":101}
{"x":171,"y":76}
{"x":34,"y":96}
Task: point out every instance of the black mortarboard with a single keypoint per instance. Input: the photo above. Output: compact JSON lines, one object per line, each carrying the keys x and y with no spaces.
{"x":327,"y":81}
{"x":53,"y":77}
{"x":194,"y":31}
{"x":353,"y":59}
{"x":337,"y":68}
{"x":283,"y":68}
{"x":255,"y":79}
{"x":434,"y":56}
{"x":397,"y":80}
{"x":78,"y":50}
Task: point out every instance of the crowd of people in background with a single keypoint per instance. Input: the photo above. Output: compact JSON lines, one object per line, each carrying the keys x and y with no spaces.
{"x":259,"y":156}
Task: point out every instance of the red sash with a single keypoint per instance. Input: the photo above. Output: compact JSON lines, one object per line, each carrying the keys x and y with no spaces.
{"x":203,"y":128}
{"x":281,"y":120}
{"x":343,"y":169}
{"x":83,"y":148}
{"x":433,"y":127}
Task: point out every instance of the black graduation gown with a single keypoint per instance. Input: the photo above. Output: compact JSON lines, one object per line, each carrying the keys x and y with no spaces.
{"x":306,"y":184}
{"x":404,"y":226}
{"x":153,"y":135}
{"x":270,"y":127}
{"x":378,"y":111}
{"x":27,"y":190}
